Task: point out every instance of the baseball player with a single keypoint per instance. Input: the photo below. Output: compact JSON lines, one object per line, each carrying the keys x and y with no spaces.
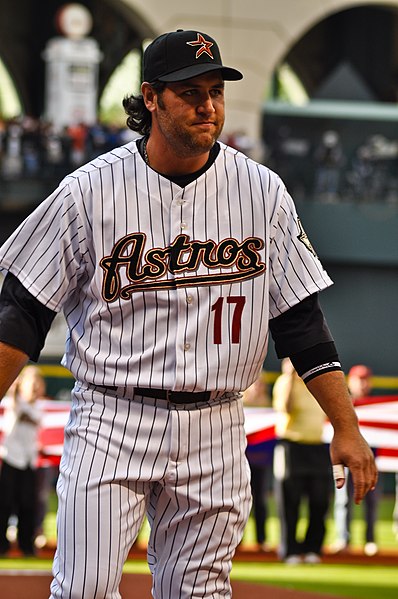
{"x":170,"y":257}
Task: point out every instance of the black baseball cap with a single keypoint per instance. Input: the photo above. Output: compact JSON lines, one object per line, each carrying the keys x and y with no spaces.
{"x":180,"y":55}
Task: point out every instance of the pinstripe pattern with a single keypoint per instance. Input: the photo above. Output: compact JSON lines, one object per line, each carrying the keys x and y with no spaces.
{"x":162,"y":287}
{"x":187,"y":465}
{"x":57,"y":252}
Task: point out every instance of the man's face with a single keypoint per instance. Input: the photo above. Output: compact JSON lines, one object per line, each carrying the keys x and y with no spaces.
{"x":190,"y":114}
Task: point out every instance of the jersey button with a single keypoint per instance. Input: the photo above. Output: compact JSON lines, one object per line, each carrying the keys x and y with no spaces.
{"x":189,"y":299}
{"x":187,"y":346}
{"x":183,"y":225}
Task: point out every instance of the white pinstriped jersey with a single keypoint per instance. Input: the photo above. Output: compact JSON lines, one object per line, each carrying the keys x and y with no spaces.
{"x":163,"y":286}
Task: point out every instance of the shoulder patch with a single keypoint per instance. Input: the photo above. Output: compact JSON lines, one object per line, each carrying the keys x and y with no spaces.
{"x":302,"y":236}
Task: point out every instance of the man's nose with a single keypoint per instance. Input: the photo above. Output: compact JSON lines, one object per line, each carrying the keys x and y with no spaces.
{"x":206,"y":104}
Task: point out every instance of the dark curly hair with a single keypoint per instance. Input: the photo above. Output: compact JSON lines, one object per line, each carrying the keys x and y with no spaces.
{"x":139,"y":118}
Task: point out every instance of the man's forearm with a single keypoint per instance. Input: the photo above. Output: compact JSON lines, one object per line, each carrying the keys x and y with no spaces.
{"x":331,"y":392}
{"x":348,"y":447}
{"x":12,"y":360}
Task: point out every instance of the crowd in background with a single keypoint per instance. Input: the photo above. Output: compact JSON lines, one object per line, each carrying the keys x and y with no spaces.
{"x":323,"y":166}
{"x":31,"y":147}
{"x":34,"y":148}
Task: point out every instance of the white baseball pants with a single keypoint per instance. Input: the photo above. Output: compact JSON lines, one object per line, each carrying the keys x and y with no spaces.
{"x":184,"y":466}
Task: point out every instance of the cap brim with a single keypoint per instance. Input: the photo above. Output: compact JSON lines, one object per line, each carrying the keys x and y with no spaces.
{"x":227,"y":73}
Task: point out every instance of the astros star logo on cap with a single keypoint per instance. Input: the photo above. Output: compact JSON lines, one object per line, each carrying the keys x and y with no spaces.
{"x":204,"y":46}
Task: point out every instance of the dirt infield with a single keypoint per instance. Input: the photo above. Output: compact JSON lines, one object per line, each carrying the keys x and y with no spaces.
{"x":136,"y":586}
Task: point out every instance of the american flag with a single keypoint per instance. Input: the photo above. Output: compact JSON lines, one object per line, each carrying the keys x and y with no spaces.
{"x":378,"y":419}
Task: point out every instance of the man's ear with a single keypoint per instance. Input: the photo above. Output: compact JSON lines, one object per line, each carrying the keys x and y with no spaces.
{"x":148,"y":95}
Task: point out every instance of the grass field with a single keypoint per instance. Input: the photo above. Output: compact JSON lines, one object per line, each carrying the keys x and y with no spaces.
{"x":356,"y":582}
{"x":341,"y":580}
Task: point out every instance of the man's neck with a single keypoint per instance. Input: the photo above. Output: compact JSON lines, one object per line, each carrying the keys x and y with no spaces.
{"x":182,"y":179}
{"x":168,"y":163}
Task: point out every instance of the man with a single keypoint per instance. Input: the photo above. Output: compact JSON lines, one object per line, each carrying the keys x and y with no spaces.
{"x":168,"y":257}
{"x":359,"y":382}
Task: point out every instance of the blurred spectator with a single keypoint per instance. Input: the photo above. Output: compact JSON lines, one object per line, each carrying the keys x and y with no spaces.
{"x":96,"y":140}
{"x":56,"y":147}
{"x":302,"y":468}
{"x":34,"y":148}
{"x":12,"y":155}
{"x":31,"y":146}
{"x":360,"y":385}
{"x":113,"y":138}
{"x":329,"y":158}
{"x":260,"y":462}
{"x":19,"y":454}
{"x":78,"y":134}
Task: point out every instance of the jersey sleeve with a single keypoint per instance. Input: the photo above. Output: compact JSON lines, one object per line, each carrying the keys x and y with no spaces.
{"x":46,"y":252}
{"x":295,"y":271}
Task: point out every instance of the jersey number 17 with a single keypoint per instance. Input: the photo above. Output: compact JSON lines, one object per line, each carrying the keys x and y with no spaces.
{"x":218,"y":307}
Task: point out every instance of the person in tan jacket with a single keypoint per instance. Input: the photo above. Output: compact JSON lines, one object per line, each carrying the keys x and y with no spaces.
{"x":302,"y":467}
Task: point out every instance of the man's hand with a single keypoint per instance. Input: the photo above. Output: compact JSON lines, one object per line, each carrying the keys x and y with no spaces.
{"x":353,"y":452}
{"x":348,"y":447}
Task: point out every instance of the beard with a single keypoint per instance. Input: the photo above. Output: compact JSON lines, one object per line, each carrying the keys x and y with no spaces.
{"x":188,"y":140}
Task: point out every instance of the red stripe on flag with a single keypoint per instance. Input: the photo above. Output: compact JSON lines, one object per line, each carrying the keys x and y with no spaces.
{"x":376,"y":424}
{"x":387,"y":452}
{"x":267,"y":434}
{"x":51,"y":436}
{"x":369,"y":401}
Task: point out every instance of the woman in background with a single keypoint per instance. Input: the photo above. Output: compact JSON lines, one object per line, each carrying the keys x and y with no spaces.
{"x":19,"y":453}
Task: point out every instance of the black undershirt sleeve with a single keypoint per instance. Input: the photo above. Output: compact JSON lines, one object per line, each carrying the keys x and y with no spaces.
{"x":301,"y":333}
{"x":24,"y":321}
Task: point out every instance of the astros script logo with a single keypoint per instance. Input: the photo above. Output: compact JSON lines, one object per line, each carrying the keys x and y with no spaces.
{"x":204,"y":46}
{"x":151,"y":270}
